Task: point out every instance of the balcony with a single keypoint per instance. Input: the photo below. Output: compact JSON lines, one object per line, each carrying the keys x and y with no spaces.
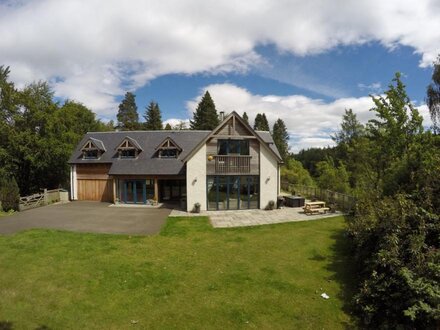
{"x":237,"y":164}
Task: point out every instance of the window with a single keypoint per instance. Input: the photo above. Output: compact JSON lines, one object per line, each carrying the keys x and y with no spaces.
{"x":93,"y":149}
{"x":91,"y":154}
{"x":128,"y":153}
{"x":129,"y":148}
{"x":168,"y":149}
{"x":233,"y":147}
{"x":168,"y":153}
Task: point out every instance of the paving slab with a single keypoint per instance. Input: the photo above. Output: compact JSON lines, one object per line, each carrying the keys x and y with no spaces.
{"x":245,"y":218}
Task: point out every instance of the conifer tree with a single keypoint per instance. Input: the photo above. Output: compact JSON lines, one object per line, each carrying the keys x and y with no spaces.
{"x":245,"y":117}
{"x":205,"y":116}
{"x":261,"y":123}
{"x":128,"y":118}
{"x":168,"y":127}
{"x":153,"y":117}
{"x":281,"y":138}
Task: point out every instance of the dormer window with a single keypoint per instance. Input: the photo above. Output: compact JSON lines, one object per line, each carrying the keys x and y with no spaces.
{"x":129,"y":148}
{"x":168,"y":149}
{"x":93,"y":149}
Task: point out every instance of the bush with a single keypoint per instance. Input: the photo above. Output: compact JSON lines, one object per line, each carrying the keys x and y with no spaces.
{"x":9,"y":194}
{"x":270,"y":206}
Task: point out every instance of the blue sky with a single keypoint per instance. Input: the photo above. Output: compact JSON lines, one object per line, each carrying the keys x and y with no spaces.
{"x":304,"y":62}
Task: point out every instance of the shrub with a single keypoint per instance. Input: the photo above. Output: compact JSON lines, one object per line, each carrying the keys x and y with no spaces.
{"x":9,"y":194}
{"x":270,"y":205}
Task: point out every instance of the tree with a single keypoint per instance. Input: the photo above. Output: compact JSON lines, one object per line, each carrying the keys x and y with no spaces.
{"x":294,"y":173}
{"x":394,"y":128}
{"x":396,"y":227}
{"x":168,"y":127}
{"x":433,"y":96}
{"x":332,"y":177}
{"x":281,"y":138}
{"x":9,"y":194}
{"x":205,"y":117}
{"x":153,"y":117}
{"x":180,"y":125}
{"x":351,"y":128}
{"x":128,"y":118}
{"x":261,"y":123}
{"x":245,"y":117}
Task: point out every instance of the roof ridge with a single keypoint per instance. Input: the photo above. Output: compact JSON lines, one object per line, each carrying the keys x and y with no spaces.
{"x":151,"y":131}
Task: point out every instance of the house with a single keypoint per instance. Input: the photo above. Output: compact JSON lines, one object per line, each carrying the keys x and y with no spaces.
{"x":232,"y":167}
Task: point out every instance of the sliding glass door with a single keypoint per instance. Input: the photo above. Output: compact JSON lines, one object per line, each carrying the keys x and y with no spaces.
{"x":133,"y":192}
{"x":232,"y":192}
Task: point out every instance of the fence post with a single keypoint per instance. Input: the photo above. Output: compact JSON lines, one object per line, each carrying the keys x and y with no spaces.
{"x":45,"y":198}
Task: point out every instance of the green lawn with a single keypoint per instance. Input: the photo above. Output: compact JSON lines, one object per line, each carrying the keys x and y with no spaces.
{"x":189,"y":276}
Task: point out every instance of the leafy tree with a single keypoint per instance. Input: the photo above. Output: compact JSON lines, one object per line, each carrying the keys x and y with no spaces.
{"x":294,"y":173}
{"x":205,"y":117}
{"x":245,"y":117}
{"x":128,"y":118}
{"x":396,"y":227}
{"x":168,"y":127}
{"x":394,"y":128}
{"x":281,"y":138}
{"x":332,"y":177}
{"x":261,"y":123}
{"x":310,"y":157}
{"x":9,"y":194}
{"x":181,"y":125}
{"x":153,"y":117}
{"x":433,"y":96}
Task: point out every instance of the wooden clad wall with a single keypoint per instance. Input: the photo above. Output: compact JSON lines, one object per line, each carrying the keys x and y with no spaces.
{"x":233,"y":130}
{"x":94,"y":183}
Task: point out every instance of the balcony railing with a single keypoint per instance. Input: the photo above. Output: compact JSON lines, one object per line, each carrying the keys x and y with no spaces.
{"x":227,"y":164}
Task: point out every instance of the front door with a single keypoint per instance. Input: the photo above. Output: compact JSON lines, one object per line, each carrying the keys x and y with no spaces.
{"x":134,"y":191}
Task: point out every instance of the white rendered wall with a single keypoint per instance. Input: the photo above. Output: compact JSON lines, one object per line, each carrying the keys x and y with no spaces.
{"x":73,"y":183}
{"x":196,"y":180}
{"x":268,"y":178}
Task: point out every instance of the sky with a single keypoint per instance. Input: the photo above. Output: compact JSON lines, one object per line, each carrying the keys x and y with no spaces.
{"x":302,"y":61}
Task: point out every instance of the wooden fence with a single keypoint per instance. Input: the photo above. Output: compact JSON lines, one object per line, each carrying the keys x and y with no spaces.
{"x":44,"y":198}
{"x":343,"y":202}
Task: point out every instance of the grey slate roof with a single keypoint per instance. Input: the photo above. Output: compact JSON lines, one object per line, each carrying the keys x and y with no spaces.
{"x":267,"y":137}
{"x":147,"y":163}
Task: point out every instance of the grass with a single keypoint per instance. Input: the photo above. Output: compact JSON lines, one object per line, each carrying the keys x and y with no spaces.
{"x":4,"y":214}
{"x":190,"y":276}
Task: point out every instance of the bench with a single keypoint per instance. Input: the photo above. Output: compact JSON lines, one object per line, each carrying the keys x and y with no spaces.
{"x":308,"y":210}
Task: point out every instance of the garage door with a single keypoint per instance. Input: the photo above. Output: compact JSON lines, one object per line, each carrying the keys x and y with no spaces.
{"x":95,"y":190}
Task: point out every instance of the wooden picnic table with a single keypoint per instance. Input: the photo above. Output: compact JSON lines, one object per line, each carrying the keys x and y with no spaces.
{"x":315,"y":207}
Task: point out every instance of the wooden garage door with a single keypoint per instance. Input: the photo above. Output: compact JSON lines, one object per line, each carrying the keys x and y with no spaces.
{"x":95,"y":190}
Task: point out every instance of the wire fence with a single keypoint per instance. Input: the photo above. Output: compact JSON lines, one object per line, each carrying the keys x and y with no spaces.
{"x":342,"y":202}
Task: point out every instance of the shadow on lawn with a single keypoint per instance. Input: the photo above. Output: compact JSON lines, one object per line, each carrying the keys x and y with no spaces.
{"x":343,"y":266}
{"x":6,"y":325}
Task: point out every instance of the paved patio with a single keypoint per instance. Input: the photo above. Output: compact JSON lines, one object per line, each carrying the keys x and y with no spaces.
{"x":242,"y":218}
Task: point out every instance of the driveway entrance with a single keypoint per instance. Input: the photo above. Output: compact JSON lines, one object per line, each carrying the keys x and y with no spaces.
{"x":92,"y":217}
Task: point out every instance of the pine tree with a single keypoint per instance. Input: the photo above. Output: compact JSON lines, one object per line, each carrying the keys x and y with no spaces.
{"x":245,"y":117}
{"x":261,"y":123}
{"x":205,"y":116}
{"x":281,"y":138}
{"x":128,"y":118}
{"x":153,"y":117}
{"x":168,"y":127}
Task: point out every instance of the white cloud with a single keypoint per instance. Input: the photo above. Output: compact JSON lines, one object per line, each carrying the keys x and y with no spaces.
{"x":374,"y":88}
{"x":310,"y":122}
{"x":90,"y":49}
{"x":175,"y":123}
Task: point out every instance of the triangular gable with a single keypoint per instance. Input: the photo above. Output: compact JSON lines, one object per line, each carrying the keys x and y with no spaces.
{"x":93,"y":143}
{"x":168,"y":143}
{"x":129,"y":143}
{"x":235,"y":117}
